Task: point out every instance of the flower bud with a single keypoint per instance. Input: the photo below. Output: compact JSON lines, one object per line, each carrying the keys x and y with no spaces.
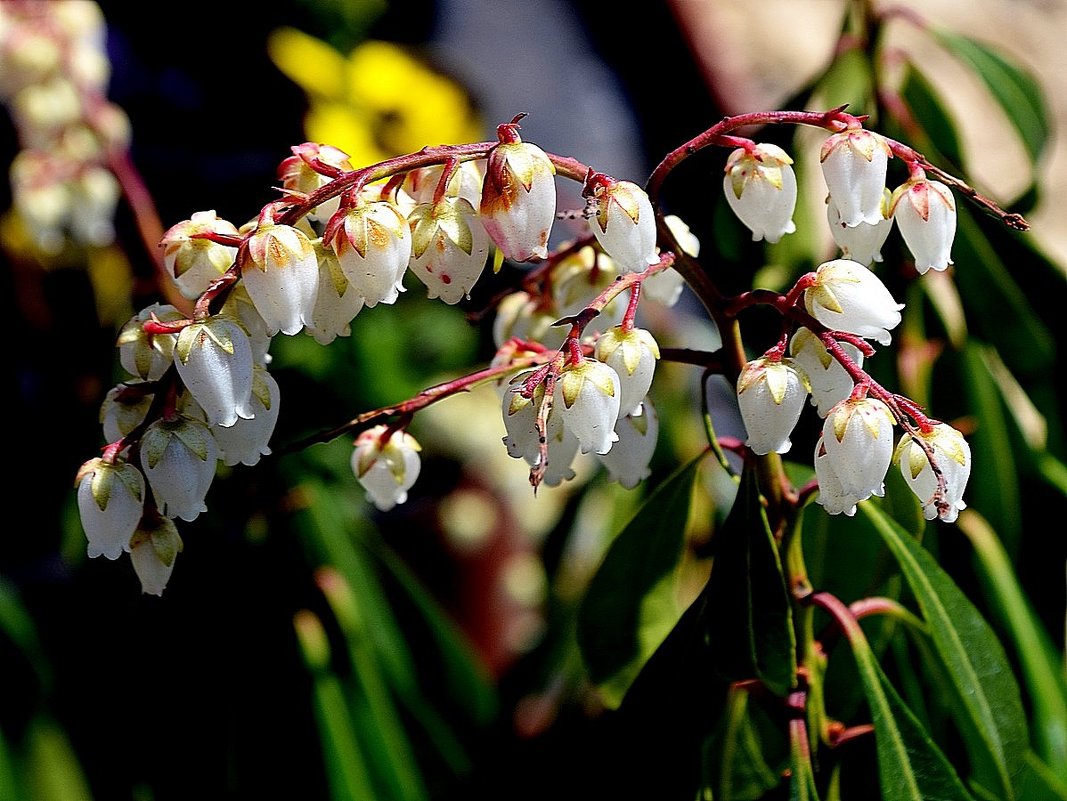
{"x":830,"y":381}
{"x":627,"y":461}
{"x":846,"y":296}
{"x":281,"y":273}
{"x":297,"y":174}
{"x":110,"y":503}
{"x":770,"y":394}
{"x":761,"y":188}
{"x":926,"y":215}
{"x":449,"y":247}
{"x":337,"y":301}
{"x":518,"y":203}
{"x":148,"y":356}
{"x":953,"y":457}
{"x":861,"y":243}
{"x":373,"y":244}
{"x":632,"y":355}
{"x":179,"y":456}
{"x":858,"y":438}
{"x":246,"y":440}
{"x":387,"y":468}
{"x":854,"y":164}
{"x":587,"y":398}
{"x":214,"y":360}
{"x":194,"y":263}
{"x":624,"y":223}
{"x":153,"y":550}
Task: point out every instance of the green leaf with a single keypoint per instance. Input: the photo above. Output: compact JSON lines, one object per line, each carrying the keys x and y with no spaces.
{"x":802,"y":778}
{"x":928,"y":112}
{"x":989,"y":710}
{"x":53,"y":770}
{"x":751,"y":626}
{"x":1040,"y":782}
{"x":645,"y":552}
{"x":1017,"y":93}
{"x":736,"y":756}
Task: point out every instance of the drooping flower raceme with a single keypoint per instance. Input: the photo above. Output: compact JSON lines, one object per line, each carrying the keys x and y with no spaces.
{"x":110,"y":503}
{"x":858,"y":438}
{"x":449,"y":247}
{"x":863,"y":242}
{"x":846,"y":296}
{"x":925,"y":212}
{"x":297,"y":174}
{"x":854,"y":164}
{"x":179,"y":456}
{"x":281,"y":273}
{"x":830,"y":382}
{"x":953,"y":457}
{"x":214,"y":360}
{"x":761,"y":188}
{"x":771,"y":393}
{"x":518,"y":203}
{"x":624,"y":223}
{"x":587,"y":398}
{"x":386,"y":464}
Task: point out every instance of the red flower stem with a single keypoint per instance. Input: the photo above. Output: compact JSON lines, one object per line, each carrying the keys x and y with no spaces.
{"x":447,"y":171}
{"x":631,"y":308}
{"x":613,"y":290}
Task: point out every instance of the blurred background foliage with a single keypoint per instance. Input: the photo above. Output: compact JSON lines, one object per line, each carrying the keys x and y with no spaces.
{"x":310,"y":647}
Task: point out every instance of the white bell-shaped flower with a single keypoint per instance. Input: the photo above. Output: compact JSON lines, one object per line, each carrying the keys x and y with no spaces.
{"x":521,"y":316}
{"x":297,"y":174}
{"x":214,"y":360}
{"x":281,"y":273}
{"x":386,"y":463}
{"x":770,"y":394}
{"x":861,"y":243}
{"x":148,"y":356}
{"x":194,"y":263}
{"x":562,"y":449}
{"x":858,"y":438}
{"x":520,"y":419}
{"x":153,"y":550}
{"x":179,"y":456}
{"x":830,"y":381}
{"x":953,"y":457}
{"x":854,"y":164}
{"x":761,"y":188}
{"x":110,"y":504}
{"x":123,"y":409}
{"x":628,"y":460}
{"x":579,"y":277}
{"x":518,"y":203}
{"x":925,"y":212}
{"x":587,"y":398}
{"x":624,"y":223}
{"x":465,"y":182}
{"x":846,"y":296}
{"x":832,"y":495}
{"x":449,"y":247}
{"x":247,"y":440}
{"x":373,"y":243}
{"x":239,"y":306}
{"x":632,"y":355}
{"x":337,"y":301}
{"x":666,"y":286}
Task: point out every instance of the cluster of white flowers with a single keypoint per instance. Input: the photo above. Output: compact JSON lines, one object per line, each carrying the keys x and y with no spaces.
{"x":53,"y":75}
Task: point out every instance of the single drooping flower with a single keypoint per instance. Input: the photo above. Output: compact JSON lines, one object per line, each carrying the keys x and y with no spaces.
{"x":145,"y":355}
{"x":832,"y":495}
{"x":953,"y":457}
{"x":863,"y":242}
{"x":179,"y":455}
{"x":632,"y":355}
{"x":830,"y":381}
{"x":372,"y":241}
{"x":761,"y":188}
{"x":281,"y":273}
{"x":247,"y":440}
{"x":623,"y":222}
{"x":214,"y":360}
{"x":579,"y":277}
{"x":337,"y":301}
{"x":297,"y":174}
{"x":153,"y":549}
{"x":386,"y":463}
{"x":846,"y":296}
{"x":521,"y":316}
{"x":520,"y":419}
{"x":666,"y":286}
{"x":587,"y":398}
{"x":518,"y":202}
{"x":111,"y":499}
{"x":238,"y":306}
{"x":925,"y":212}
{"x":854,"y":164}
{"x":628,"y":460}
{"x":449,"y":247}
{"x":124,"y":408}
{"x":857,"y":436}
{"x":770,"y":394}
{"x":194,"y":262}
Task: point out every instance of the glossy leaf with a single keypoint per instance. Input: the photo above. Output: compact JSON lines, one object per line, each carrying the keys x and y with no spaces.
{"x":989,"y":710}
{"x":752,"y":623}
{"x":1040,"y":782}
{"x":736,"y":758}
{"x":928,"y":113}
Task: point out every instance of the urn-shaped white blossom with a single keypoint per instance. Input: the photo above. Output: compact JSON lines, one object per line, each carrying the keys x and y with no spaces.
{"x":386,"y":463}
{"x":623,"y":222}
{"x":628,"y":460}
{"x":846,"y":296}
{"x":587,"y":398}
{"x":194,"y":262}
{"x":110,"y":503}
{"x":449,"y":246}
{"x":521,"y":316}
{"x":144,"y":355}
{"x":281,"y":273}
{"x":830,"y":381}
{"x":953,"y":457}
{"x":925,"y":212}
{"x":247,"y":440}
{"x":579,"y":277}
{"x":298,"y":175}
{"x":854,"y":164}
{"x":239,"y":306}
{"x":632,"y":354}
{"x":178,"y":455}
{"x":863,"y":242}
{"x":518,"y":203}
{"x":832,"y":495}
{"x":123,"y":409}
{"x":153,"y":549}
{"x":520,"y":419}
{"x":214,"y":360}
{"x":858,"y":438}
{"x":373,"y":244}
{"x":337,"y":301}
{"x":761,"y":188}
{"x":666,"y":286}
{"x":770,"y":394}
